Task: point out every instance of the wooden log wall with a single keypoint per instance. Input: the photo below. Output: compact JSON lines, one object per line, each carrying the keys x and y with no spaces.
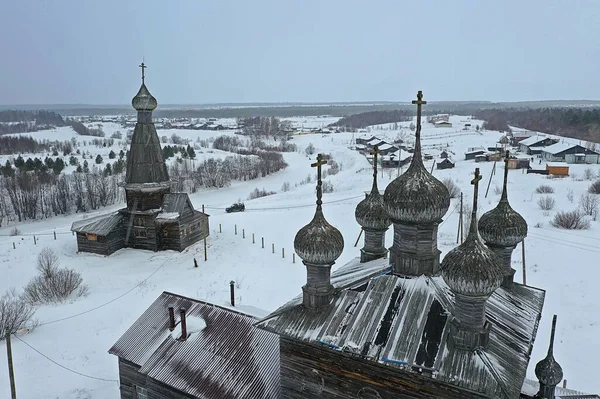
{"x":309,"y":371}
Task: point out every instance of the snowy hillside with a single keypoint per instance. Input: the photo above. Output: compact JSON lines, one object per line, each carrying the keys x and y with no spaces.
{"x":78,"y":334}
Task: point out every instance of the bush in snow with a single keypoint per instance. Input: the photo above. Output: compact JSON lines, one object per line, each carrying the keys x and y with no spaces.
{"x":571,"y":220}
{"x":588,"y":174}
{"x":452,"y":187}
{"x":594,"y":187}
{"x":310,"y":149}
{"x":52,"y":284}
{"x":260,"y":193}
{"x":327,"y":187}
{"x":286,"y":186}
{"x":546,"y":203}
{"x":544,"y":189}
{"x":589,"y":203}
{"x":15,"y":231}
{"x":570,"y":195}
{"x":15,"y":313}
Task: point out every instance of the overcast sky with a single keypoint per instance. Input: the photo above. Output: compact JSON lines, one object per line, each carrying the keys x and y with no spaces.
{"x":207,"y":51}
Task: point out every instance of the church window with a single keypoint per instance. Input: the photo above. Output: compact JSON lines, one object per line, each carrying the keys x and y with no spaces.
{"x":92,"y":237}
{"x":141,"y":393}
{"x":139,"y":232}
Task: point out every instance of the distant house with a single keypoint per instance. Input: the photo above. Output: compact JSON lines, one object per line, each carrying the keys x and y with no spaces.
{"x":473,"y":152}
{"x":387,"y":149}
{"x":438,"y":118}
{"x":442,"y":124}
{"x":535,"y":144}
{"x":396,"y":159}
{"x":557,"y":169}
{"x":518,"y":163}
{"x":375,"y":142}
{"x":481,"y":158}
{"x":444,"y":154}
{"x":184,"y":348}
{"x":570,"y":153}
{"x":364,"y":140}
{"x":517,"y":136}
{"x":446,"y":163}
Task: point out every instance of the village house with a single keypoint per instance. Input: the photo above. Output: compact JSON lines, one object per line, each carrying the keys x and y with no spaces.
{"x":154,"y":219}
{"x":442,"y":124}
{"x":516,"y":136}
{"x":445,"y":163}
{"x":535,"y":144}
{"x":438,"y":118}
{"x":570,"y":153}
{"x":364,"y":140}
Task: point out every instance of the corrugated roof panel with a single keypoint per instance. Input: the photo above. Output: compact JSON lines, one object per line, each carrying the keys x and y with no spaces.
{"x":100,"y":225}
{"x":225,"y":357}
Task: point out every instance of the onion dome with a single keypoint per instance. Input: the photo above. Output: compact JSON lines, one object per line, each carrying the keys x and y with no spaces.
{"x":370,"y":213}
{"x":143,"y":100}
{"x":503,"y":226}
{"x":416,"y":196}
{"x":472,"y":269}
{"x":319,"y":242}
{"x":548,"y":371}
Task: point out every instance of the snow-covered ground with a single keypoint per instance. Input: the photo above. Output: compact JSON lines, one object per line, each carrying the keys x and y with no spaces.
{"x":79,"y":333}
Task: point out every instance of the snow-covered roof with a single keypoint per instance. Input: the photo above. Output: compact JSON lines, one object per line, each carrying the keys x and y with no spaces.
{"x":425,"y":304}
{"x":443,"y":123}
{"x":375,"y":141}
{"x":386,"y":146}
{"x":557,"y":164}
{"x":223,"y":356}
{"x":559,"y":147}
{"x":533,"y":140}
{"x":100,"y":225}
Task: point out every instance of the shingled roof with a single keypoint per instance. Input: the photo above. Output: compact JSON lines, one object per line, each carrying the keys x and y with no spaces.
{"x":403,"y":323}
{"x":227,"y":358}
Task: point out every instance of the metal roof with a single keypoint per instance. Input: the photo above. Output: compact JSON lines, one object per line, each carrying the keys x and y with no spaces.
{"x":533,"y":140}
{"x":176,"y":202}
{"x":100,"y":225}
{"x":560,"y":147}
{"x":228,"y":357}
{"x":403,"y":322}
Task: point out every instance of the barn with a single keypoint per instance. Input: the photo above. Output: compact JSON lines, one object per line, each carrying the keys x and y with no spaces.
{"x":557,"y":169}
{"x":535,"y":144}
{"x":473,"y":152}
{"x":570,"y":153}
{"x":101,"y":235}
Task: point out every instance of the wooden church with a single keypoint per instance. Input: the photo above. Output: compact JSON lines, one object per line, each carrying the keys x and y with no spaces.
{"x":154,"y":219}
{"x":390,"y":324}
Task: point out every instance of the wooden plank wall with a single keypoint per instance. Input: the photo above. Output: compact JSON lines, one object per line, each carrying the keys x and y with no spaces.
{"x":308,"y":371}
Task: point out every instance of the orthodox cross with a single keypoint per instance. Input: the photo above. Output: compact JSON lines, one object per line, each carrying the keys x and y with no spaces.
{"x":318,"y":164}
{"x":475,"y":183}
{"x":375,"y":152}
{"x":419,"y":101}
{"x":143,"y":66}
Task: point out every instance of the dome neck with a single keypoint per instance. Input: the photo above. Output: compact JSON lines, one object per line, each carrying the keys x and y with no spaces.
{"x":504,"y":196}
{"x":374,"y":188}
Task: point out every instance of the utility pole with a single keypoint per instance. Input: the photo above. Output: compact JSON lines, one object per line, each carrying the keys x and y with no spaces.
{"x":11,"y":371}
{"x":490,"y":181}
{"x":459,"y":233}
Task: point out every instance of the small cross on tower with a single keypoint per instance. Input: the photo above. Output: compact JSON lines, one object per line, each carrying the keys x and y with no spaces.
{"x":475,"y":183}
{"x":419,"y":101}
{"x":318,"y":164}
{"x":143,"y":66}
{"x":375,"y":152}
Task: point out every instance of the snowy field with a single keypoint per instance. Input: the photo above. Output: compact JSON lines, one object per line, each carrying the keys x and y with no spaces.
{"x":78,"y":334}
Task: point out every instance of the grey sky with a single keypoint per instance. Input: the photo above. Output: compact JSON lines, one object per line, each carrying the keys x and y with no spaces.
{"x":206,"y":51}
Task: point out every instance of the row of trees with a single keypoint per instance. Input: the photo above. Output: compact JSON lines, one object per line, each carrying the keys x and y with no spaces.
{"x":14,"y":121}
{"x":580,"y":123}
{"x":185,"y":152}
{"x":20,"y":144}
{"x":250,"y":147}
{"x":37,"y":195}
{"x":364,"y":119}
{"x":264,"y":126}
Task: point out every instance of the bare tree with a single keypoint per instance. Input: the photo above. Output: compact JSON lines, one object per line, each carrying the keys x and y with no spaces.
{"x":15,"y":313}
{"x":589,"y":203}
{"x":571,"y":220}
{"x":452,"y":187}
{"x":546,"y":203}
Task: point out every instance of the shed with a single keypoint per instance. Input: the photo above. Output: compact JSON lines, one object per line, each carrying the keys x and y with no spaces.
{"x":481,"y":158}
{"x":222,"y":355}
{"x":444,"y":154}
{"x":446,"y":163}
{"x":101,"y":234}
{"x":473,"y":152}
{"x":557,"y":169}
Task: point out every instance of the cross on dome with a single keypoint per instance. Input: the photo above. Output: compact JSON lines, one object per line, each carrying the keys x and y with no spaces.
{"x":318,"y":164}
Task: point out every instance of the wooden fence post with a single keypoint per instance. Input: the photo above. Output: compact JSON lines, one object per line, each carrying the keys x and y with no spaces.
{"x":293,"y":258}
{"x":263,"y":242}
{"x":252,"y":238}
{"x":235,"y":228}
{"x":243,"y":233}
{"x":14,"y":247}
{"x":282,"y":253}
{"x":55,"y":235}
{"x":34,"y":241}
{"x":220,"y":231}
{"x":273,"y":247}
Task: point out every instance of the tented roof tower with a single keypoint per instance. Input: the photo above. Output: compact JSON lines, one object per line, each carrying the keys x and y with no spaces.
{"x":147,"y":179}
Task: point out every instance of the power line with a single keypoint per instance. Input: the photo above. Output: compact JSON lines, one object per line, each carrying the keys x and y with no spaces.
{"x":558,"y":241}
{"x":64,"y":367}
{"x":291,"y":207}
{"x":112,"y":300}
